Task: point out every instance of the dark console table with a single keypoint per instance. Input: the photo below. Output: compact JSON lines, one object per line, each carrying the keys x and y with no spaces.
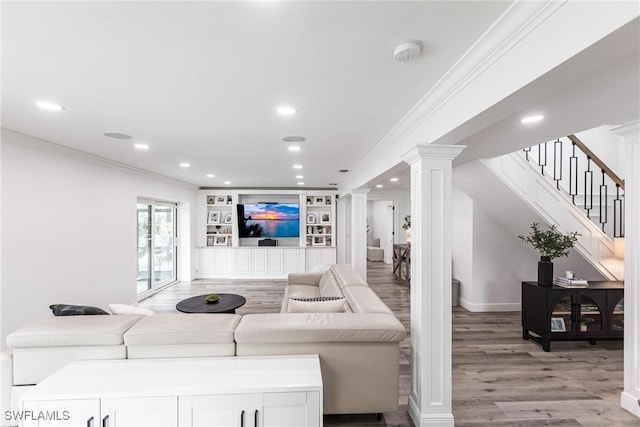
{"x":554,"y":313}
{"x":402,"y":263}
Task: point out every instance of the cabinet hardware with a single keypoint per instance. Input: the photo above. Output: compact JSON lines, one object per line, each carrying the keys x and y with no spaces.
{"x":242,"y":419}
{"x":105,"y":421}
{"x":255,"y":418}
{"x":90,"y":422}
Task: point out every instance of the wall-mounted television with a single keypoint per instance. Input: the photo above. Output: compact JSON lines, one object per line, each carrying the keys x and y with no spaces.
{"x":269,"y":220}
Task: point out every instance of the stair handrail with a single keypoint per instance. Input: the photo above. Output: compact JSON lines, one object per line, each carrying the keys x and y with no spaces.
{"x":595,"y":159}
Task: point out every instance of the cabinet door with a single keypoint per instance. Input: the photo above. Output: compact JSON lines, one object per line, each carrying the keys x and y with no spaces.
{"x":215,"y":411}
{"x":159,"y":411}
{"x":59,"y":413}
{"x":562,"y":316}
{"x":590,"y":317}
{"x":298,"y":409}
{"x":616,"y":316}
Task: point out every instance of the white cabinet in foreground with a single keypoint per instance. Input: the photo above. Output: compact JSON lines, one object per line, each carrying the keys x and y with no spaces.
{"x":218,"y":391}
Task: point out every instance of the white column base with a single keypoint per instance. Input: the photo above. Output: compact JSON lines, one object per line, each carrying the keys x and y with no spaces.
{"x":431,"y":419}
{"x":630,"y":402}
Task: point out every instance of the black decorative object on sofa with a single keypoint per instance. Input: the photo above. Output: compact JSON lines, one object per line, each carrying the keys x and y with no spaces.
{"x":75,"y":310}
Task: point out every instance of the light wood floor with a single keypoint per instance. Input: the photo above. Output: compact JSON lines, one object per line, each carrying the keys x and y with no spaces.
{"x":498,"y":378}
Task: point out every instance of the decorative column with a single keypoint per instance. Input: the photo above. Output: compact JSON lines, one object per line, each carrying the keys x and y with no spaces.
{"x":342,"y":233}
{"x":431,"y":212}
{"x":630,"y":398}
{"x":359,"y":230}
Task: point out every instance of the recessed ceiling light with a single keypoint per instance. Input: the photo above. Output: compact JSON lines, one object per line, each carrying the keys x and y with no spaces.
{"x":532,"y":119}
{"x":285,"y":110}
{"x":294,"y":139}
{"x":210,"y":175}
{"x":300,"y":183}
{"x":297,"y":166}
{"x":393,"y":179}
{"x":227,"y":182}
{"x":294,"y":148}
{"x":117,"y":135}
{"x":299,"y":176}
{"x":52,"y":106}
{"x":185,"y":165}
{"x":140,"y":146}
{"x":379,"y":186}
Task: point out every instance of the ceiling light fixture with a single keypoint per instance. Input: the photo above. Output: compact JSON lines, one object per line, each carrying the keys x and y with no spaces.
{"x":297,"y":166}
{"x":285,"y":110}
{"x":532,"y":119}
{"x":407,"y":51}
{"x":300,"y":183}
{"x":294,"y":139}
{"x":394,"y":179}
{"x":299,"y":176}
{"x":117,"y":135}
{"x":227,"y":182}
{"x":185,"y":165}
{"x":140,"y":146}
{"x":51,"y":106}
{"x":294,"y":148}
{"x":210,"y":175}
{"x":379,"y":186}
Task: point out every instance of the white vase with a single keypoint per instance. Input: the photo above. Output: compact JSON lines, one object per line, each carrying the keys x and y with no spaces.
{"x":407,"y":234}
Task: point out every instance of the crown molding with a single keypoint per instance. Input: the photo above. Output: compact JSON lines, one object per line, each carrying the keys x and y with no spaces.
{"x":519,"y":20}
{"x":28,"y":141}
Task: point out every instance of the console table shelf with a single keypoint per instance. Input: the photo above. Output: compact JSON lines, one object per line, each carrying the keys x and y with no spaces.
{"x":402,"y":263}
{"x":554,"y":313}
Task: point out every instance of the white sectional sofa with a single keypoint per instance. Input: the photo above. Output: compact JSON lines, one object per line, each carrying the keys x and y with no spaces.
{"x":358,"y":348}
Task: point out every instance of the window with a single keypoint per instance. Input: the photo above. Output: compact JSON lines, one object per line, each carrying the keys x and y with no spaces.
{"x":157,"y":245}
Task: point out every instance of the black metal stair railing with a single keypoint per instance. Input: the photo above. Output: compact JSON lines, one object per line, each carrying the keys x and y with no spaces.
{"x":608,"y":210}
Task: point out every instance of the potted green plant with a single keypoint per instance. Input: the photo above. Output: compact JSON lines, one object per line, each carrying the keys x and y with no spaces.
{"x":407,"y":228}
{"x":551,"y":244}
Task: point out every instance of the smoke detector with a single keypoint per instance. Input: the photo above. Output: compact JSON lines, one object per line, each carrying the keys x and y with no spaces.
{"x":408,"y":50}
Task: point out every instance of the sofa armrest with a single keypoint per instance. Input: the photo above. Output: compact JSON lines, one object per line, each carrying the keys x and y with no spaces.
{"x":319,"y":327}
{"x":307,"y":279}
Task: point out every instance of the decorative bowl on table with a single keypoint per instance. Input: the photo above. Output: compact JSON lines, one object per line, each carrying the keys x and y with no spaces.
{"x":213,"y":298}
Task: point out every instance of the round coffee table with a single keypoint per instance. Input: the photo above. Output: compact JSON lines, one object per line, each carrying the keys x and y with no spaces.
{"x":227,"y":304}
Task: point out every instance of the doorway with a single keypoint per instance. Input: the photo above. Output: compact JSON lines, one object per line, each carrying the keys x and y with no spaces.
{"x":156,"y":246}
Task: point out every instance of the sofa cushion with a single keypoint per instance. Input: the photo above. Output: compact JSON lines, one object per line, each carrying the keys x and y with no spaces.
{"x":130,"y":309}
{"x":75,"y":310}
{"x":298,"y":291}
{"x":196,"y":328}
{"x":363,"y":299}
{"x":319,"y":327}
{"x":347,"y":276}
{"x":72,"y":331}
{"x":328,"y":285}
{"x":316,"y":305}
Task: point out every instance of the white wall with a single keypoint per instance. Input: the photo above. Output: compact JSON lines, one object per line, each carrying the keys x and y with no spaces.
{"x":69,"y":229}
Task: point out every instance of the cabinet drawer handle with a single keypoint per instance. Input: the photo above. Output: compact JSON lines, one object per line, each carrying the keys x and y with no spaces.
{"x":242,"y":419}
{"x":255,"y":418}
{"x":90,"y":422}
{"x":105,"y":421}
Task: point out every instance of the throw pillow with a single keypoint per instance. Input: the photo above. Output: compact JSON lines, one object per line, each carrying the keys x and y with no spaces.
{"x":316,"y":305}
{"x":75,"y":310}
{"x":130,"y":309}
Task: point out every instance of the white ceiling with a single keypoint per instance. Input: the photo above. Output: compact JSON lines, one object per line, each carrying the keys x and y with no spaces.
{"x":199,"y":81}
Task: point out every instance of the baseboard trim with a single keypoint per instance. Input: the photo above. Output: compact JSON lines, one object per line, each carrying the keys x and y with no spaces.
{"x":488,"y":307}
{"x":630,"y":403}
{"x":429,"y":420}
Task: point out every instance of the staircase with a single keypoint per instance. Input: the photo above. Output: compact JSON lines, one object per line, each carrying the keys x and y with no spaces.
{"x":566,"y":184}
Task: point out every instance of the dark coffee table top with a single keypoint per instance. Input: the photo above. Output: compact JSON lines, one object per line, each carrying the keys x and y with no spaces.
{"x":227,"y":304}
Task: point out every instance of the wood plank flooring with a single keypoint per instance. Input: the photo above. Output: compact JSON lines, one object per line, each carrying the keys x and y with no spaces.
{"x":498,"y":378}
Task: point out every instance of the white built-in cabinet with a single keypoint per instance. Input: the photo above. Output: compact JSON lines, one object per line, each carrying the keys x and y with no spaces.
{"x":296,"y":409}
{"x":157,"y":411}
{"x":260,"y":391}
{"x":223,"y":253}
